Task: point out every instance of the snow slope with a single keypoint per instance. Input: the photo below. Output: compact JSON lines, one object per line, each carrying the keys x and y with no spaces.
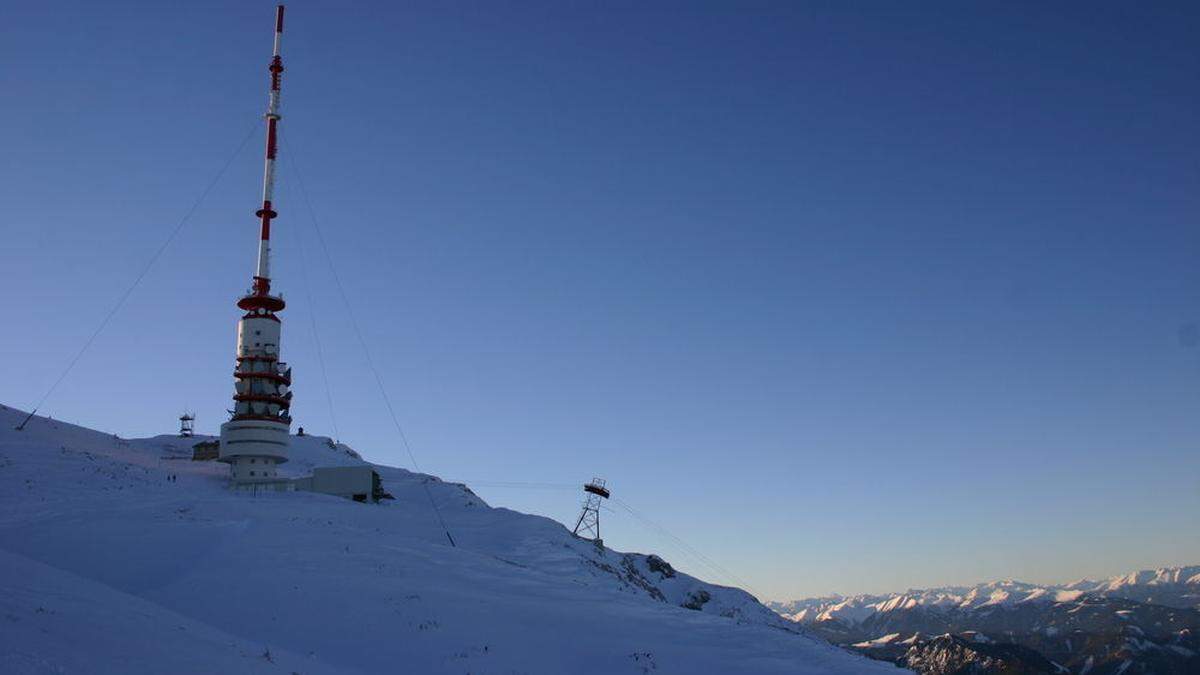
{"x":106,"y":566}
{"x":59,"y":622}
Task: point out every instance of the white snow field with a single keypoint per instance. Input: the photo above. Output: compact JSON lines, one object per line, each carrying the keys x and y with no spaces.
{"x":108,"y":567}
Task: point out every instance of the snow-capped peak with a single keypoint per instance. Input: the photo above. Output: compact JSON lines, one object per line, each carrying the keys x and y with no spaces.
{"x":1175,"y":586}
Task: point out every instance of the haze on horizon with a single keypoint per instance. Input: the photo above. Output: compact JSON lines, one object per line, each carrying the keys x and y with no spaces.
{"x":850,"y":298}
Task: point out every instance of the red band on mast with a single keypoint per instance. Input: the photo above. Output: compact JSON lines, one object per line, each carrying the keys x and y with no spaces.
{"x":266,"y":213}
{"x":271,"y":138}
{"x":276,"y":68}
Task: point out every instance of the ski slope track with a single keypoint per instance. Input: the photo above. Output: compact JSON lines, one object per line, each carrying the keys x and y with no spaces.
{"x":106,"y":566}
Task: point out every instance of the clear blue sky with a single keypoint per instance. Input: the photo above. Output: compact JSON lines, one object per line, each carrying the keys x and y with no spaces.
{"x":850,"y":296}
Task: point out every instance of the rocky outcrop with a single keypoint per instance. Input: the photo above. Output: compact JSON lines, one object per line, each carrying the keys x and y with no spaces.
{"x":974,"y":655}
{"x":1086,"y":633}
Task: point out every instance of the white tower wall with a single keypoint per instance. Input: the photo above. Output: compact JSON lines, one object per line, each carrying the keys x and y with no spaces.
{"x":256,"y":440}
{"x":256,"y":446}
{"x":258,"y":335}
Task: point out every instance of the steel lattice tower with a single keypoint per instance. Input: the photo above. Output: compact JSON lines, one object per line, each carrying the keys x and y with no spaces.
{"x":186,"y":425}
{"x":589,"y":520}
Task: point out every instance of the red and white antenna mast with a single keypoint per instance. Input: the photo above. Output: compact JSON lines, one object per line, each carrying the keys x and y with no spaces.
{"x":255,"y":439}
{"x":262,"y":277}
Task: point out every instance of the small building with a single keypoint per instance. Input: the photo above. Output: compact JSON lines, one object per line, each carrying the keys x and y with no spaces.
{"x":206,"y":451}
{"x":360,"y":483}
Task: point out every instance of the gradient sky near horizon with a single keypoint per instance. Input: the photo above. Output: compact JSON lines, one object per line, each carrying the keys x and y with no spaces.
{"x":851,"y":297}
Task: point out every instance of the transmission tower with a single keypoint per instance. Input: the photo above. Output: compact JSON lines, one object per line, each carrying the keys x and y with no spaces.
{"x":589,"y":520}
{"x":186,"y":425}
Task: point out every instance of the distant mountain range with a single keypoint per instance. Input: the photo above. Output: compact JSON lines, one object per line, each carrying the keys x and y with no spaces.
{"x":1170,"y":586}
{"x":1143,"y":622}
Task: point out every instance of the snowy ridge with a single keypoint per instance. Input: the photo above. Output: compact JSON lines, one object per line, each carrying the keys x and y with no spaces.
{"x":1171,"y":586}
{"x":1143,"y":622}
{"x":106,"y":562}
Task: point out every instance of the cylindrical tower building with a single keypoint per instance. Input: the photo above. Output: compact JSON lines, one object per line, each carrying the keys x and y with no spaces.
{"x":255,"y":440}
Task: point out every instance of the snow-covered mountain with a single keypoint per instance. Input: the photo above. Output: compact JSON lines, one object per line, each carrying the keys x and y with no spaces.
{"x":106,"y":566}
{"x":1145,"y":622}
{"x":1170,"y":586}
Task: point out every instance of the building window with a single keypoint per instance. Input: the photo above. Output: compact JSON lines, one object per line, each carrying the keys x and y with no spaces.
{"x":252,"y":460}
{"x":251,"y":473}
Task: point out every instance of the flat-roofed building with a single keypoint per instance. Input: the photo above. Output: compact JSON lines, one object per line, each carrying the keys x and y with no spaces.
{"x":360,"y":483}
{"x":206,"y":451}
